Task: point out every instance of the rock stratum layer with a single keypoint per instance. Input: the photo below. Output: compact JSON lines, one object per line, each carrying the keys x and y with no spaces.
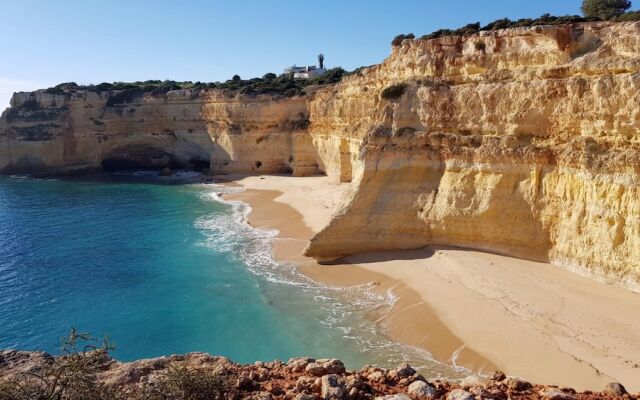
{"x":522,"y":141}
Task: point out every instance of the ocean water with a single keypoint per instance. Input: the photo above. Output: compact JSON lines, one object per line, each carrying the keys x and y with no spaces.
{"x":164,"y":266}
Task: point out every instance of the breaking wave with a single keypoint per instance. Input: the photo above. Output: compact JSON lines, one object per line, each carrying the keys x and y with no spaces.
{"x":348,"y":310}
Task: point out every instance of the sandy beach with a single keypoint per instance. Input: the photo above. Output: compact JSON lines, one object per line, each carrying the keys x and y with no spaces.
{"x":480,"y":310}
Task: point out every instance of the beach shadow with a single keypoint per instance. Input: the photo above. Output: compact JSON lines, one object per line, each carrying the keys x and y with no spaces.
{"x":382,"y":256}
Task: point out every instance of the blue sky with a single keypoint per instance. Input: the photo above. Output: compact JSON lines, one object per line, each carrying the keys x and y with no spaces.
{"x":45,"y":42}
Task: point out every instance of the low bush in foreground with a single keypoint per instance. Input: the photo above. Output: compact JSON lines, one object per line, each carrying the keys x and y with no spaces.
{"x":74,"y":376}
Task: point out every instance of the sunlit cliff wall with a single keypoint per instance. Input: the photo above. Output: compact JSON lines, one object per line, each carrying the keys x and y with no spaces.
{"x":46,"y":133}
{"x":522,"y":141}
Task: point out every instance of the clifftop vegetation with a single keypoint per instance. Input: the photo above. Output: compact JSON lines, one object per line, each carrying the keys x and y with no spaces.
{"x":270,"y":84}
{"x":593,"y":10}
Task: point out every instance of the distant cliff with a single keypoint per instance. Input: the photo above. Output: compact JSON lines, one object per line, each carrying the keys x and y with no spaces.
{"x":523,"y":141}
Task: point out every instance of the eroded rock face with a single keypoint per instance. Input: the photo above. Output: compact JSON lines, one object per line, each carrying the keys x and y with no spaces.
{"x":45,"y":133}
{"x":522,"y":141}
{"x":526,"y":145}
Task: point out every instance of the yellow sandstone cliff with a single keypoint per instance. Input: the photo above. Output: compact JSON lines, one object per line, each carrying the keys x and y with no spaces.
{"x":45,"y":133}
{"x":522,"y":141}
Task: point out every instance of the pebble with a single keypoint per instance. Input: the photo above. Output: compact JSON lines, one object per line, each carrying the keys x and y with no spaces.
{"x":422,"y":390}
{"x":460,"y":394}
{"x":332,"y":387}
{"x":615,"y":388}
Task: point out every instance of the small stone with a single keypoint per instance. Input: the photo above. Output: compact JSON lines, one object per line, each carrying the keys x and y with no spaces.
{"x":473,"y":381}
{"x":555,"y":394}
{"x":615,"y":388}
{"x":354,"y":381}
{"x":333,"y":366}
{"x":315,"y":369}
{"x":518,"y":385}
{"x":377,"y":376}
{"x":405,"y":370}
{"x":422,"y":390}
{"x":245,"y":382}
{"x":459,"y":394}
{"x":332,"y":387}
{"x":305,"y":396}
{"x":261,"y":396}
{"x":299,"y":364}
{"x":498,"y":376}
{"x":399,"y":396}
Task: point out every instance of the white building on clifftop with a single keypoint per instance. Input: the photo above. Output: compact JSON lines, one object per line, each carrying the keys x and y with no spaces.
{"x":310,"y":71}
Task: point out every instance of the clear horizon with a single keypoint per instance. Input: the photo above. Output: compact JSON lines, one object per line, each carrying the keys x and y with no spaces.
{"x":47,"y":43}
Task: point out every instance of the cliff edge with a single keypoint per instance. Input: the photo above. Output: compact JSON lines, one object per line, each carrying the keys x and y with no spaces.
{"x":523,"y":141}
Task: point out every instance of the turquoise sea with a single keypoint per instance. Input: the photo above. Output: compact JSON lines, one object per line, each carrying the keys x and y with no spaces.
{"x":163,"y":266}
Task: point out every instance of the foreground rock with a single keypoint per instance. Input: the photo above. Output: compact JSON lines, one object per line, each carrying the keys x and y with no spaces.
{"x":200,"y":375}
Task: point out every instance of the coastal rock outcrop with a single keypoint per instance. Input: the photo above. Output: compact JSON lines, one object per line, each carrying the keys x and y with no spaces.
{"x":200,"y":375}
{"x":84,"y":130}
{"x":523,"y":141}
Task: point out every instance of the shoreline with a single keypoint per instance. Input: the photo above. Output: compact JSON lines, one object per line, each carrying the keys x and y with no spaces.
{"x":468,"y":306}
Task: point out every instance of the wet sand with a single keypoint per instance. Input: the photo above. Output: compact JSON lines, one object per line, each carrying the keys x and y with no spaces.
{"x":480,"y":310}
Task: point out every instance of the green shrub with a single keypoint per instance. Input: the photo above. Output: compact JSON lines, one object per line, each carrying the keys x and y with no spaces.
{"x":189,"y":384}
{"x":397,"y":41}
{"x":124,"y":96}
{"x":104,"y":86}
{"x":72,"y":376}
{"x":394,"y":91}
{"x":269,"y":84}
{"x":498,"y":24}
{"x":480,"y":46}
{"x":503,"y":23}
{"x":604,"y":9}
{"x":54,"y":90}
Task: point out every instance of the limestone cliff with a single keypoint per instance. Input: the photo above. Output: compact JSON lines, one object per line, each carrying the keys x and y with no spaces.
{"x":523,"y":141}
{"x":45,"y":133}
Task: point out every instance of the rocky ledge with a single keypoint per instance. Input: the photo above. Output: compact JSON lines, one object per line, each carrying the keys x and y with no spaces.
{"x":95,"y":375}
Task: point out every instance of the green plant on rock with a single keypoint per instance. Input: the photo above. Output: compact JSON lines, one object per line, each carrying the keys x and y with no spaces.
{"x":183,"y":383}
{"x":397,"y":41}
{"x":394,"y":91}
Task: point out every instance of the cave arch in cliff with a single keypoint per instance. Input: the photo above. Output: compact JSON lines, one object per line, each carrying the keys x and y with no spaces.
{"x":139,"y":157}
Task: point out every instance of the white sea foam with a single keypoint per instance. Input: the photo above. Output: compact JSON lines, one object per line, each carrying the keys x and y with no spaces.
{"x":30,"y":178}
{"x":343,"y":309}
